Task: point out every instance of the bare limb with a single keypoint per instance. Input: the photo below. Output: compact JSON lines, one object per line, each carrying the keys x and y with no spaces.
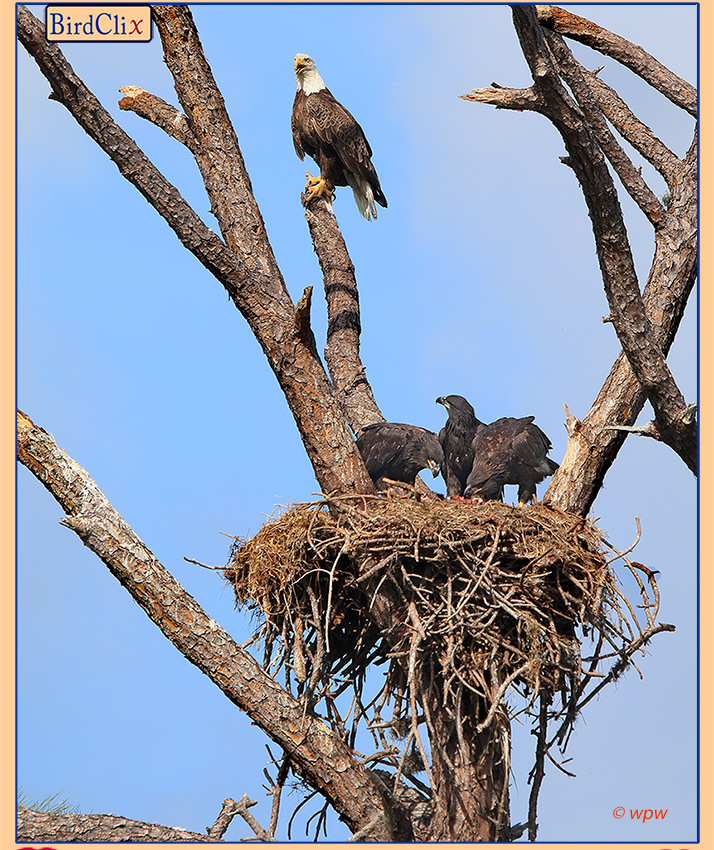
{"x":634,"y":131}
{"x":674,"y":88}
{"x":231,"y":809}
{"x":316,"y":753}
{"x":591,"y":449}
{"x":627,"y":309}
{"x":649,"y":429}
{"x":36,"y":827}
{"x":302,"y":320}
{"x":538,"y":771}
{"x":503,"y":98}
{"x":631,"y":178}
{"x":277,"y":793}
{"x":343,"y":330}
{"x":171,"y":120}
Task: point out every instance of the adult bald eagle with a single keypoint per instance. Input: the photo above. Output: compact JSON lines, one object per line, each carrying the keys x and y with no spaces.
{"x":480,"y":459}
{"x":456,"y":438}
{"x":397,"y":451}
{"x":326,"y":131}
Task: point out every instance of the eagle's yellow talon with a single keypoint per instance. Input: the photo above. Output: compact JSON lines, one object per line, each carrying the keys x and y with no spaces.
{"x":317,"y":187}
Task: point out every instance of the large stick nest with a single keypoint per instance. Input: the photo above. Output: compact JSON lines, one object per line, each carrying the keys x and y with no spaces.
{"x":465,"y":604}
{"x":484,"y":582}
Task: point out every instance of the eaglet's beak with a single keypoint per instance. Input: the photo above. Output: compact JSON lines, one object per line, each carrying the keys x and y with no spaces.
{"x":434,"y":467}
{"x":441,"y":400}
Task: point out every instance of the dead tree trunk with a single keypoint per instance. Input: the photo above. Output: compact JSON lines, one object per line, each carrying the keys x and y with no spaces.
{"x":470,"y":772}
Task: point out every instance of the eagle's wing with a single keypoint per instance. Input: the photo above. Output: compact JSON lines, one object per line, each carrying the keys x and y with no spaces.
{"x":530,"y":444}
{"x":491,"y":448}
{"x":381,"y":446}
{"x":526,"y":445}
{"x":297,"y":118}
{"x":335,"y":126}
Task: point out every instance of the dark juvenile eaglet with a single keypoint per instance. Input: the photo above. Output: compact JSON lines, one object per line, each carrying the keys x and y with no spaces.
{"x":456,"y":438}
{"x":508,"y":451}
{"x":399,"y":452}
{"x":326,"y":131}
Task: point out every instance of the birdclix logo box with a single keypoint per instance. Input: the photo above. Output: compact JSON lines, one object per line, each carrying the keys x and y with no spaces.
{"x":98,"y":23}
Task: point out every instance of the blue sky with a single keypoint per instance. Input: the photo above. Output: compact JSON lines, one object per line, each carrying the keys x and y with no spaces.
{"x":480,"y":279}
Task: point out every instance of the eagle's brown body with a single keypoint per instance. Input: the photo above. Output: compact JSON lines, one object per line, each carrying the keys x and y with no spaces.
{"x":324,"y":130}
{"x":509,"y":451}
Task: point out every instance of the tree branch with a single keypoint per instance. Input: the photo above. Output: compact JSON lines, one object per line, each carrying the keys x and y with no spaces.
{"x":343,"y":330}
{"x":634,"y":131}
{"x":171,"y":120}
{"x":573,"y":74}
{"x":316,"y":753}
{"x":229,"y":810}
{"x":218,"y":156}
{"x":591,"y":448}
{"x":247,"y":267}
{"x":674,"y":88}
{"x":521,"y":100}
{"x":627,"y":309}
{"x":38,"y":827}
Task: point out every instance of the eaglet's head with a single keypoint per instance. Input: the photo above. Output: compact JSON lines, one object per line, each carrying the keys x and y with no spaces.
{"x":455,"y":402}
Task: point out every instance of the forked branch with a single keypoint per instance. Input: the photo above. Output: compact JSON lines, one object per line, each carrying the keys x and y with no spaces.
{"x":244,"y":264}
{"x":632,"y":56}
{"x":645,"y":323}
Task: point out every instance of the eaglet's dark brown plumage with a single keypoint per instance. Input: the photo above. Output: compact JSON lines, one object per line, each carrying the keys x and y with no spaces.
{"x":399,"y":452}
{"x":508,"y":451}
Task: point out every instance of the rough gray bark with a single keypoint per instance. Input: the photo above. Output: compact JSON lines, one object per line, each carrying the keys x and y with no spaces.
{"x":35,"y":827}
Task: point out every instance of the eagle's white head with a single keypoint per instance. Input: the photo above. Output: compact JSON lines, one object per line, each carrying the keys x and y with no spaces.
{"x":308,"y":80}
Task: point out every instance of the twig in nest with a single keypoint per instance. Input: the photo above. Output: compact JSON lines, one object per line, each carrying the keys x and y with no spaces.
{"x":297,"y":809}
{"x":629,"y":549}
{"x":199,"y":564}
